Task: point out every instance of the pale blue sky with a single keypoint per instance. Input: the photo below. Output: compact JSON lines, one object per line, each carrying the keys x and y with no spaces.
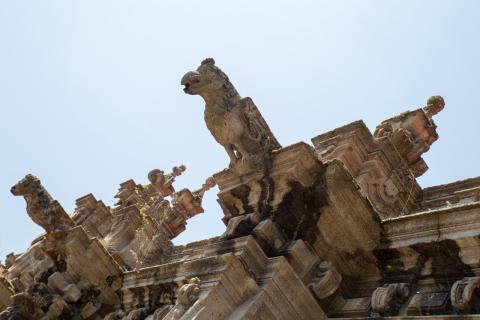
{"x":90,"y":93}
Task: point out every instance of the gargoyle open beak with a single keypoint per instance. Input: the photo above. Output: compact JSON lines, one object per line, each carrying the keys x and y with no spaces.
{"x":189,"y":79}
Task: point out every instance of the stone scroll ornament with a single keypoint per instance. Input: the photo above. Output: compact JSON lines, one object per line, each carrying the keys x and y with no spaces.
{"x":235,"y":122}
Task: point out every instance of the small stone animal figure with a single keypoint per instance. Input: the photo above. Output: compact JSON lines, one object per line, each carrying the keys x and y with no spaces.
{"x":41,"y":207}
{"x":188,"y":294}
{"x":234,"y":122}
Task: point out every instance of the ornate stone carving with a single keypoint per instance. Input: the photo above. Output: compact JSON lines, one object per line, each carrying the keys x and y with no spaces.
{"x":465,"y":294}
{"x":187,"y":295}
{"x":234,"y":122}
{"x":309,"y":206}
{"x":144,"y":221}
{"x":435,"y":104}
{"x":39,"y":302}
{"x":129,"y":194}
{"x":41,"y":207}
{"x":23,"y":307}
{"x":93,"y":216}
{"x":387,"y":299}
{"x":379,"y":170}
{"x":412,"y":133}
{"x":163,"y":183}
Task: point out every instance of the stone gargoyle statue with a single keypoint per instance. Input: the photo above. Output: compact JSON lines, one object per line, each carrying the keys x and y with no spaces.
{"x":41,"y":207}
{"x":235,"y":122}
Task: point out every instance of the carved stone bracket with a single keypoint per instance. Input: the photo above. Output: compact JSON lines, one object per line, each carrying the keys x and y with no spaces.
{"x":465,"y":294}
{"x":294,"y":184}
{"x":326,"y":282}
{"x":386,"y":300}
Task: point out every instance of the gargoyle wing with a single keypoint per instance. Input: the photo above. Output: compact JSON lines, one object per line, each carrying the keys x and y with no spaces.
{"x":257,"y":125}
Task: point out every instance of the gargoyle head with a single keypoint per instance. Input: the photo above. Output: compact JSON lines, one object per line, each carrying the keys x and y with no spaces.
{"x":28,"y":185}
{"x":206,"y":81}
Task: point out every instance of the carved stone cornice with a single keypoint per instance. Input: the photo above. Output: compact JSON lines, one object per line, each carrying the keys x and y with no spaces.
{"x":380,"y":171}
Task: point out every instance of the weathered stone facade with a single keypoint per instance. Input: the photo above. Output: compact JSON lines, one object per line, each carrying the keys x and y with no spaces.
{"x":337,"y":229}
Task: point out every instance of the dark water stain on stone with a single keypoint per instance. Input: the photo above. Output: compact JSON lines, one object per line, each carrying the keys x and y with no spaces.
{"x":160,"y":295}
{"x":446,"y":261}
{"x":267,"y":186}
{"x":139,"y":294}
{"x":298,"y":213}
{"x":242,"y":192}
{"x":447,"y":266}
{"x":389,"y":261}
{"x":393,"y":269}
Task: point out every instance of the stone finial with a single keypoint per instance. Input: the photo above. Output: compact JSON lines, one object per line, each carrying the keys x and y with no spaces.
{"x":163,"y":183}
{"x":41,"y":207}
{"x":235,"y":122}
{"x":435,"y":104}
{"x":198,"y":194}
